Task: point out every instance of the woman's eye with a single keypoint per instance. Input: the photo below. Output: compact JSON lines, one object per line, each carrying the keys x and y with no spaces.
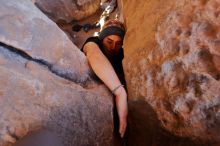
{"x":109,"y":42}
{"x":119,"y":44}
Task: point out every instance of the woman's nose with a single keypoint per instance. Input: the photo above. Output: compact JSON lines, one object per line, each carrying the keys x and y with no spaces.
{"x":113,"y":46}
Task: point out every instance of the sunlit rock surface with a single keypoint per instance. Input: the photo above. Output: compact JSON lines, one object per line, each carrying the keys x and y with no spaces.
{"x":46,"y":82}
{"x":34,"y":98}
{"x":26,"y":28}
{"x":172,"y":71}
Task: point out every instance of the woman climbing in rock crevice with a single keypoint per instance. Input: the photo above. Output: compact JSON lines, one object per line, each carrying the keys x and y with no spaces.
{"x":105,"y":54}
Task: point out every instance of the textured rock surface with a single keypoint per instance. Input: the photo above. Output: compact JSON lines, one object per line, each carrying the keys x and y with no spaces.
{"x":68,"y":10}
{"x":32,"y":97}
{"x":42,"y":78}
{"x":172,"y":71}
{"x":25,"y":27}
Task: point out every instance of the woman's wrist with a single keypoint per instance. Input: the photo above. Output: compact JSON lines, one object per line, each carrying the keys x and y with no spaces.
{"x":120,"y":92}
{"x":116,"y":88}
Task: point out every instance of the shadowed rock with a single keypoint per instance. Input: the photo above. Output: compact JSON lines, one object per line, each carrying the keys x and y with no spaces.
{"x":68,"y":10}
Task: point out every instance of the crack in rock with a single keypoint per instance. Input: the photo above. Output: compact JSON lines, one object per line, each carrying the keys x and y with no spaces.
{"x":63,"y":74}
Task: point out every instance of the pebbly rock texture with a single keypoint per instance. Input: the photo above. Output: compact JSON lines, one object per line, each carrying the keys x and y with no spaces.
{"x":25,"y":27}
{"x":46,"y":82}
{"x":34,"y":98}
{"x":172,"y":72}
{"x":66,"y":11}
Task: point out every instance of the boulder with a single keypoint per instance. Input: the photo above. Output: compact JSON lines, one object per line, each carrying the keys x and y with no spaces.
{"x":46,"y":82}
{"x":172,"y":72}
{"x":32,"y":98}
{"x":25,"y":27}
{"x":65,"y":11}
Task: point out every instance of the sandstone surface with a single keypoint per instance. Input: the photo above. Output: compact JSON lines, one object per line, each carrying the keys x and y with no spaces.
{"x":172,"y":71}
{"x":46,"y":82}
{"x":34,"y":98}
{"x":25,"y":27}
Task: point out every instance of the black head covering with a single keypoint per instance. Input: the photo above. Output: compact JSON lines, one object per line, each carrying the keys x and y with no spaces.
{"x":111,"y":30}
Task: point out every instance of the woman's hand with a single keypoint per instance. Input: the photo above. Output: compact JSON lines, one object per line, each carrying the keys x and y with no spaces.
{"x":122,"y":109}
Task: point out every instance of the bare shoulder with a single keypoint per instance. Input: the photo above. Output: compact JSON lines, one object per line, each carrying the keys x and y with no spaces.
{"x":90,"y":47}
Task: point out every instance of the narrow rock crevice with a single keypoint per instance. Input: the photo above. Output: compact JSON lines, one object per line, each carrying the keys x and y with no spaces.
{"x":49,"y":66}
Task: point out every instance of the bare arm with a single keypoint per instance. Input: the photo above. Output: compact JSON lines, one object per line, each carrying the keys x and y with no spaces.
{"x":104,"y":70}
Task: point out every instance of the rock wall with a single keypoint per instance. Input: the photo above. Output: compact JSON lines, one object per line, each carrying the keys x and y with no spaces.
{"x":46,"y":82}
{"x":24,"y":27}
{"x":68,"y":10}
{"x":172,"y":71}
{"x":34,"y":98}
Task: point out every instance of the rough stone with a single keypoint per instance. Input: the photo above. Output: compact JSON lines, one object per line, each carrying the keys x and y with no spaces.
{"x":25,"y":27}
{"x":34,"y":98}
{"x":172,"y":71}
{"x":46,"y":82}
{"x":65,"y":11}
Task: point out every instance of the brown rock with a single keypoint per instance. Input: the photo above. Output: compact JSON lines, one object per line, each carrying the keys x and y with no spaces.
{"x":31,"y":98}
{"x":26,"y":28}
{"x":172,"y":72}
{"x":68,"y":10}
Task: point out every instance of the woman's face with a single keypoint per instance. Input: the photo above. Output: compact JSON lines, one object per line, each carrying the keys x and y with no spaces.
{"x":112,"y":44}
